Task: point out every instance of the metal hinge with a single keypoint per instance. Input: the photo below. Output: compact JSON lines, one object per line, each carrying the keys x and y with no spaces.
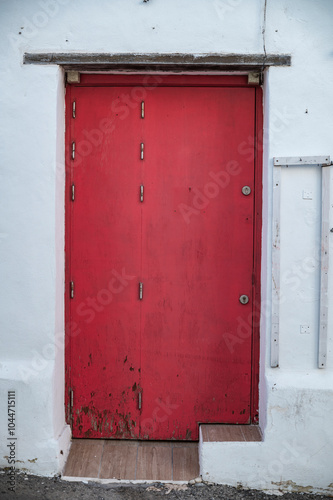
{"x":72,"y":397}
{"x":73,"y":192}
{"x":142,"y":151}
{"x":140,"y":400}
{"x":72,"y":289}
{"x":141,"y":193}
{"x":140,"y":291}
{"x":143,"y":109}
{"x":73,"y":150}
{"x":73,"y":110}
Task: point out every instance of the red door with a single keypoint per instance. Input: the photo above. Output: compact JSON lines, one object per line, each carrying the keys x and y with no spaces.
{"x":158,"y":201}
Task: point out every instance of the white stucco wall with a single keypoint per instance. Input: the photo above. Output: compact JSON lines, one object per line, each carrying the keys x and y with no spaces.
{"x":296,"y":399}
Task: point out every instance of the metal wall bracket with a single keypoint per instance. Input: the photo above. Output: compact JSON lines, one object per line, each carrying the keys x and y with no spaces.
{"x":73,"y":77}
{"x":283,"y":161}
{"x":253,"y":78}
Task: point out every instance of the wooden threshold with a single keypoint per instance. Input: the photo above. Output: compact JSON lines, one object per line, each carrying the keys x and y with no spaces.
{"x":223,"y":432}
{"x":132,"y":460}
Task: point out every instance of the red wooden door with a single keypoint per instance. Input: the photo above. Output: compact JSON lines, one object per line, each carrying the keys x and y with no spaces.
{"x":105,"y":264}
{"x":197,"y":260}
{"x":155,"y":368}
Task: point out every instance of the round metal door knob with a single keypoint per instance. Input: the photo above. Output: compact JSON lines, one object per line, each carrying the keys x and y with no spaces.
{"x":246,"y":190}
{"x":243,"y":299}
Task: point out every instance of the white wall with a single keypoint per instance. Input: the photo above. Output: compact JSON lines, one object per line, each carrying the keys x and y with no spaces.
{"x":295,"y":399}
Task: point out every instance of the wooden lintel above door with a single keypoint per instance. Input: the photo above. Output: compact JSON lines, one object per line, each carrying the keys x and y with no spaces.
{"x":158,"y":62}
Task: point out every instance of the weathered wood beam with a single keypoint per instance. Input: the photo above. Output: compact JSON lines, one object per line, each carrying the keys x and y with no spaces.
{"x":159,"y":62}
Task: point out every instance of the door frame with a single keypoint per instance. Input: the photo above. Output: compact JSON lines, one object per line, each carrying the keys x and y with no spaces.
{"x":145,"y":82}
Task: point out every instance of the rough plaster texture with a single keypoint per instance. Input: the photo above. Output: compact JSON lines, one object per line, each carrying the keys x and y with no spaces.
{"x":295,"y":399}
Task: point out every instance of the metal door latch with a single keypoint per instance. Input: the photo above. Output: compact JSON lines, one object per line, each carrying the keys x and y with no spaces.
{"x":243,"y":299}
{"x":141,"y":193}
{"x":140,"y":291}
